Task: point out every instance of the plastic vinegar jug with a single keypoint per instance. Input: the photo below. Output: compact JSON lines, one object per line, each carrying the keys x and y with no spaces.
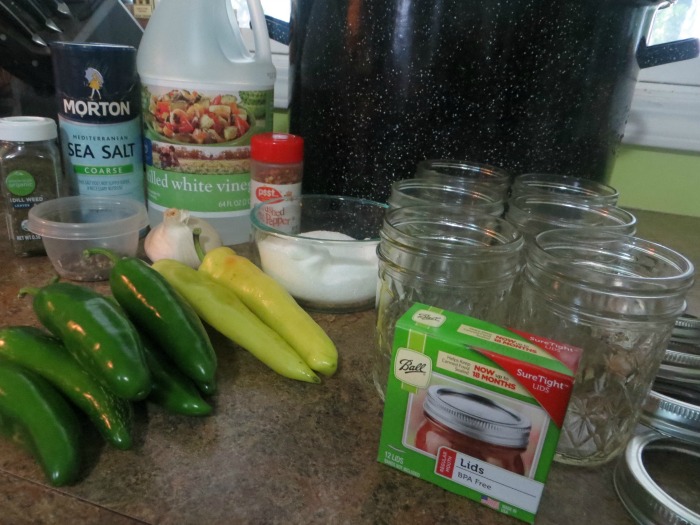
{"x":204,"y":96}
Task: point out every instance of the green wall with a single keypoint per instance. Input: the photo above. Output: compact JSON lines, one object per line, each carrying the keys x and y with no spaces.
{"x":658,"y":180}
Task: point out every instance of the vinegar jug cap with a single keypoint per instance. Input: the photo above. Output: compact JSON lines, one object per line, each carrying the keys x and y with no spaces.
{"x":277,"y":148}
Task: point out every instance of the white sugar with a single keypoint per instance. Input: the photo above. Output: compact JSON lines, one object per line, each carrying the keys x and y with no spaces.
{"x":322,"y":272}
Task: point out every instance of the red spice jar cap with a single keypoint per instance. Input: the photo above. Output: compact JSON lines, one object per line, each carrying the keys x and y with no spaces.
{"x":277,"y":148}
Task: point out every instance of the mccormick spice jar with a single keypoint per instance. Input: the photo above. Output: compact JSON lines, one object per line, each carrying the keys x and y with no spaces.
{"x":276,"y":167}
{"x":30,"y":170}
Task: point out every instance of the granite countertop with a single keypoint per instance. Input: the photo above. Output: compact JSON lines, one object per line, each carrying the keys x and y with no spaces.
{"x":276,"y":450}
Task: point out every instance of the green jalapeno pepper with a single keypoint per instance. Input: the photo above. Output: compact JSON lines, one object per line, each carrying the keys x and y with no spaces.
{"x":158,"y":310}
{"x":32,"y":408}
{"x":172,"y":389}
{"x":97,"y":333}
{"x":45,"y":355}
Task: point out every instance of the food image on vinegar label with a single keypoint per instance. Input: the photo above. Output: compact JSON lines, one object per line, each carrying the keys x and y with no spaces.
{"x":99,"y":115}
{"x":197,"y":153}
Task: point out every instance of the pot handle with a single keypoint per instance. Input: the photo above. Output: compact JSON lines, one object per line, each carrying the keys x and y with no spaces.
{"x":656,"y":55}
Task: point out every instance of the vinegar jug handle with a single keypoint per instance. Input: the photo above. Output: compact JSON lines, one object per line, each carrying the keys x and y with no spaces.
{"x":260,"y":34}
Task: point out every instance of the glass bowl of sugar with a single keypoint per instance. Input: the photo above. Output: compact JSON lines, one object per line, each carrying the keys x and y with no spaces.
{"x":321,"y":248}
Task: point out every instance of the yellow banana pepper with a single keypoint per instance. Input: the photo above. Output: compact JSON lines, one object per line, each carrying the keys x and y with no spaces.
{"x":274,"y":305}
{"x":221,"y":308}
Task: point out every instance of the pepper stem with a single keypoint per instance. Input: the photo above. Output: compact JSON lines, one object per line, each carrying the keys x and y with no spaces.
{"x":196,"y":232}
{"x":28,"y":290}
{"x":33,"y":290}
{"x":113,"y":257}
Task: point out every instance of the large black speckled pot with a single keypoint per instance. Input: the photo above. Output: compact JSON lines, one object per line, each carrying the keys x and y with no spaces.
{"x":527,"y":85}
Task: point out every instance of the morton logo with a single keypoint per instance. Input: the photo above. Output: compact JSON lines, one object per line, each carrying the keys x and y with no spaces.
{"x":96,"y":108}
{"x":95,"y":80}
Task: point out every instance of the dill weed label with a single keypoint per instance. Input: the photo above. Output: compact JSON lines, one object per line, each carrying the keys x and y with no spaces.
{"x":30,"y":173}
{"x":99,"y":110}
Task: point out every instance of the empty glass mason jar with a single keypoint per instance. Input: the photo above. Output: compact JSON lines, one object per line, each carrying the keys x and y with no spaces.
{"x":615,"y":296}
{"x":418,"y":192}
{"x":442,"y":257}
{"x":565,"y":187}
{"x":465,"y":174}
{"x":533,"y":214}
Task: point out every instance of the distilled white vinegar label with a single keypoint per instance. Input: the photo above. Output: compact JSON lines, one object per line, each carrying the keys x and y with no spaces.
{"x":197,"y":147}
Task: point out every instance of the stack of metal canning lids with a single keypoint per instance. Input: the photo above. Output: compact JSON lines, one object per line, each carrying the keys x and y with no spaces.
{"x":672,"y":414}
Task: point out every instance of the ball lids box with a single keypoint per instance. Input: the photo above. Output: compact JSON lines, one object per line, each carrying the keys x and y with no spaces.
{"x":475,"y":408}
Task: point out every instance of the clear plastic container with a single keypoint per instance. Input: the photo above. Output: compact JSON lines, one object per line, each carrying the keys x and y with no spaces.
{"x":617,"y":297}
{"x":70,"y":225}
{"x":440,"y":256}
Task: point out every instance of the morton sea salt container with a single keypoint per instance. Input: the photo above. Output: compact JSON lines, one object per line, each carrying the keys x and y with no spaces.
{"x":99,"y":116}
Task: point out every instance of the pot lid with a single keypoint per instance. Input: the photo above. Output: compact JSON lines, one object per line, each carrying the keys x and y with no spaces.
{"x":642,"y":496}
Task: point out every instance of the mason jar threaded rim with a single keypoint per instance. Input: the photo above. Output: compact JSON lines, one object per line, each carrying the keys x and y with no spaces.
{"x":564,"y":186}
{"x":450,"y":237}
{"x":464,"y":173}
{"x":423,"y":192}
{"x":608,"y":274}
{"x":406,"y":227}
{"x":533,"y":214}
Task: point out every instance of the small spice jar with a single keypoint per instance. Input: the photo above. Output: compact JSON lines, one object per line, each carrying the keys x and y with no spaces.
{"x":30,"y":171}
{"x":474,"y":425}
{"x":276,"y":167}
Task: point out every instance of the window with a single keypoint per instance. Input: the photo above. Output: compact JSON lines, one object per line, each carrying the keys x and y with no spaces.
{"x":665,"y":111}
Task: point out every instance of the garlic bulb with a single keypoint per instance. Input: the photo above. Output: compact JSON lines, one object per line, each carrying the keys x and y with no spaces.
{"x":174,"y":238}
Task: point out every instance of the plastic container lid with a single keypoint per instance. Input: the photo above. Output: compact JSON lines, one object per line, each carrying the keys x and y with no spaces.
{"x":641,"y":495}
{"x":27,"y":129}
{"x":86,"y":217}
{"x":277,"y":148}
